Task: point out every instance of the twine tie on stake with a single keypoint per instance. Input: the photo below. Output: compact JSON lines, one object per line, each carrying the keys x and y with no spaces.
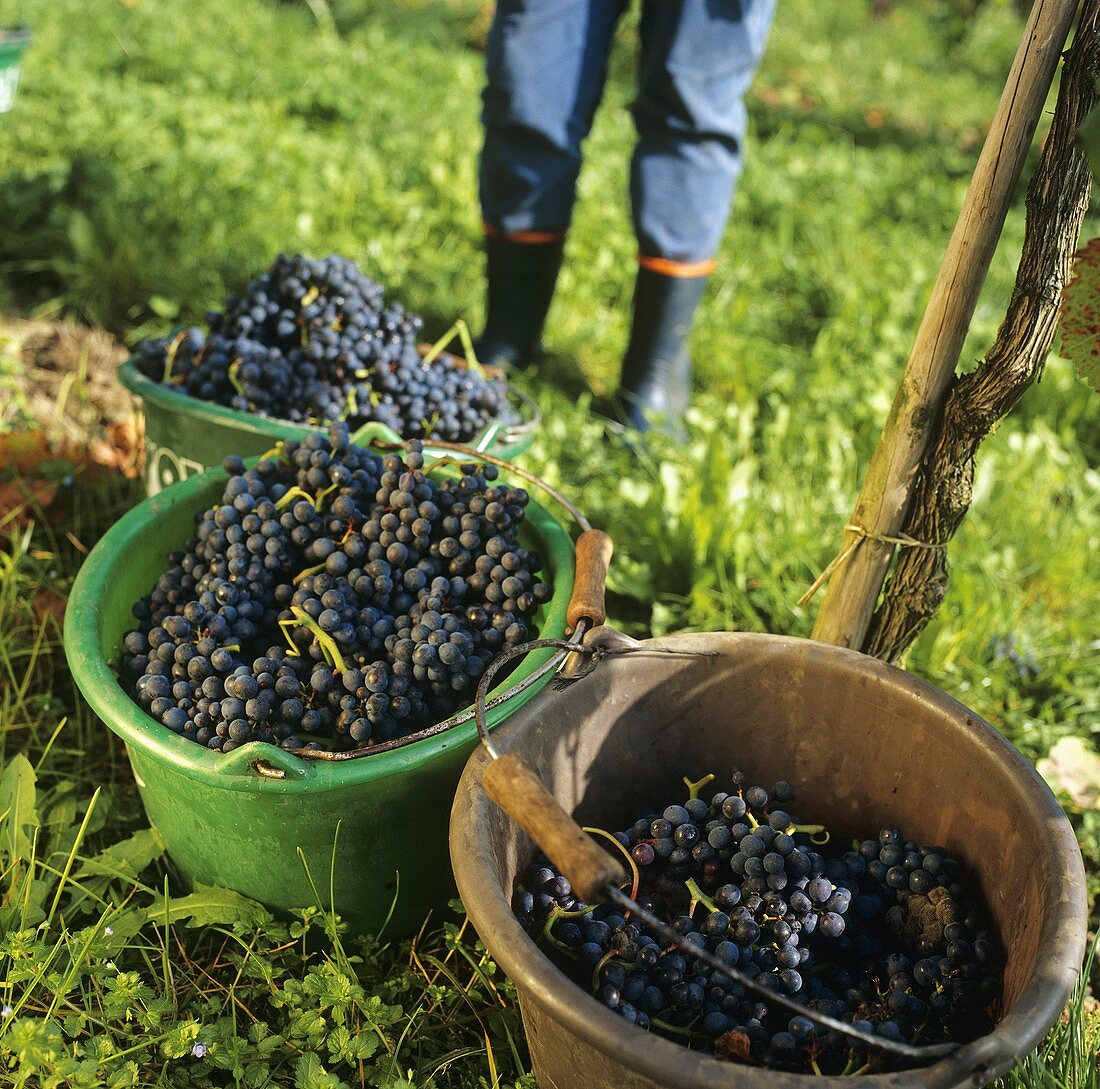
{"x":901,"y":541}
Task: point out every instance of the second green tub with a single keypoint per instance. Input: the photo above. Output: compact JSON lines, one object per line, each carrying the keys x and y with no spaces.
{"x":184,"y":436}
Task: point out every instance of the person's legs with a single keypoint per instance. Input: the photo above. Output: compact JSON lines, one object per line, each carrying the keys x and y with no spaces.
{"x":546,"y":66}
{"x":697,"y":60}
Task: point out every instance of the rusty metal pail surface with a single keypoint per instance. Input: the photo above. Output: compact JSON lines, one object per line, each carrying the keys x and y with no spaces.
{"x":865,"y":745}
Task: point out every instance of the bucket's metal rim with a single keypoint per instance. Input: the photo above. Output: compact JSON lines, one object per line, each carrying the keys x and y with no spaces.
{"x":237,"y":770}
{"x":1020,"y":1031}
{"x":502,"y":439}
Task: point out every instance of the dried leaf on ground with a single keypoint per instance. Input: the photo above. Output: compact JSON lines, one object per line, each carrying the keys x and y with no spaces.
{"x":24,"y":451}
{"x":48,"y":602}
{"x":20,"y":501}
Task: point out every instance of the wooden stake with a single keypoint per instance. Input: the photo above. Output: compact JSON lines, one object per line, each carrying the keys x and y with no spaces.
{"x":884,"y":499}
{"x":1057,"y":199}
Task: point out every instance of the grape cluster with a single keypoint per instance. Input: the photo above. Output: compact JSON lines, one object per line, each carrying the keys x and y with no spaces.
{"x":880,"y":936}
{"x":334,"y":599}
{"x":313,"y":341}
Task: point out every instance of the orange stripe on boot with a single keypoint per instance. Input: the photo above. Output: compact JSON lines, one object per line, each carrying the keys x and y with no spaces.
{"x":530,"y":237}
{"x":681,"y":270}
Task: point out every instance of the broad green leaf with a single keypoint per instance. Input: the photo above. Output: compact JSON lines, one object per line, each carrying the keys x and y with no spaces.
{"x":61,"y":815}
{"x":210,"y":905}
{"x":1080,"y":318}
{"x":364,"y":1045}
{"x":124,"y":925}
{"x":125,"y":1077}
{"x":180,"y":1039}
{"x":339,"y":1044}
{"x":82,"y":236}
{"x":20,"y":915}
{"x":120,"y":862}
{"x":60,"y":808}
{"x":306,"y":1069}
{"x":129,"y":857}
{"x":257,"y":1076}
{"x":17,"y":806}
{"x":310,"y":1074}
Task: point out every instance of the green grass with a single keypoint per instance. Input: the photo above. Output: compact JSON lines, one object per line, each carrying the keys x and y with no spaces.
{"x":1068,"y":1058}
{"x":158,"y":156}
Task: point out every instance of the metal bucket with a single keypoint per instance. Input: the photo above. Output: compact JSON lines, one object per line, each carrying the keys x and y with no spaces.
{"x":865,"y":744}
{"x":376,"y":825}
{"x":185,"y":436}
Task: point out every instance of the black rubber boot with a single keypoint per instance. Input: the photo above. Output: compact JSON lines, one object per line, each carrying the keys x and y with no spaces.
{"x":521,"y":278}
{"x":656,"y":375}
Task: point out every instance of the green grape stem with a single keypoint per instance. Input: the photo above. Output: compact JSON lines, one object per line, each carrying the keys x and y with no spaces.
{"x":811,"y":830}
{"x":170,"y":355}
{"x":440,"y":463}
{"x":699,"y":897}
{"x":555,"y":914}
{"x":664,"y":1026}
{"x":234,"y":381}
{"x":302,"y":619}
{"x":288,"y":496}
{"x":321,"y":495}
{"x":351,"y":404}
{"x":608,"y":956}
{"x":694,"y":788}
{"x":462,"y":331}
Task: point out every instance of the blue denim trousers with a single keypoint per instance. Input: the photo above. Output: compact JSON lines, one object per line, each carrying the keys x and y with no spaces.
{"x":547,"y":65}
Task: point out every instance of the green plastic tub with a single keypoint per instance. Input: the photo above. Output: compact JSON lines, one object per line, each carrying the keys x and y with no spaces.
{"x":13,"y":43}
{"x":376,"y":825}
{"x":184,"y":436}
